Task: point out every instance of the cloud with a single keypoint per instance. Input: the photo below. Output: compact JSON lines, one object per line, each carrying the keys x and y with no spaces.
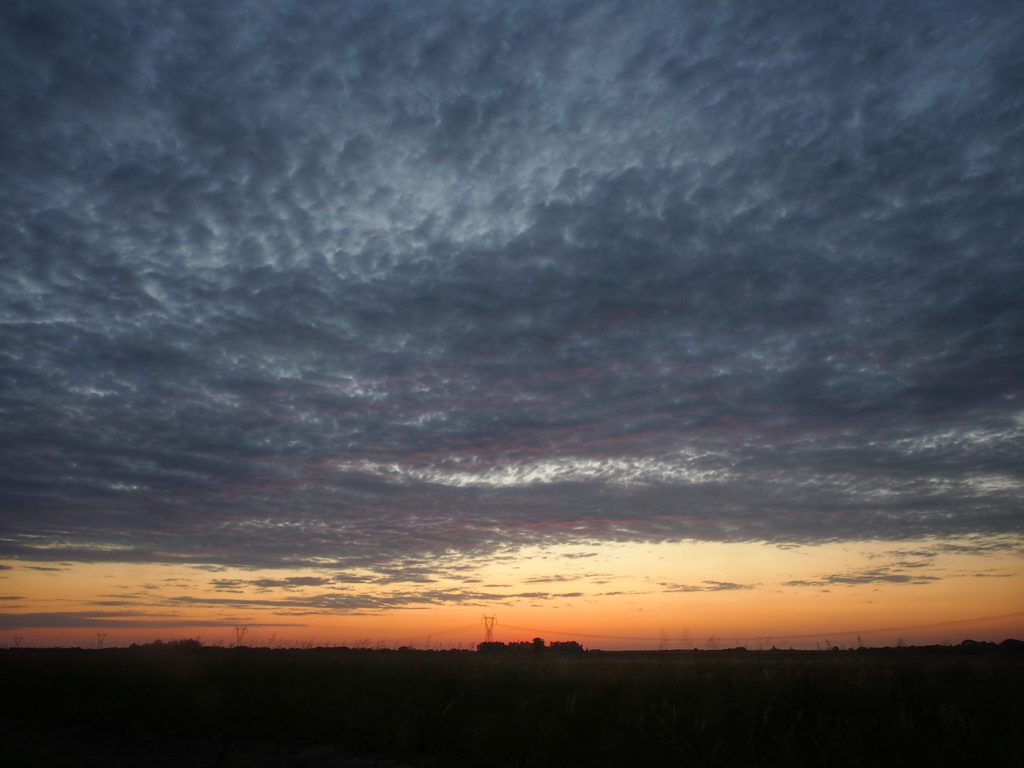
{"x":884,"y":575}
{"x":549,"y":579}
{"x":706,"y":586}
{"x":100,"y":620}
{"x":363,"y":602}
{"x":292,"y":582}
{"x":992,"y":575}
{"x":309,"y":287}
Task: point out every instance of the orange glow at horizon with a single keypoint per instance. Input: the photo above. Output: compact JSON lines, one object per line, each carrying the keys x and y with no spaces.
{"x":612,"y":596}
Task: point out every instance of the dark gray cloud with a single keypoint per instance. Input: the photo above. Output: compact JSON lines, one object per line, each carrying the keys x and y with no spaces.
{"x":884,"y":575}
{"x":307,"y":284}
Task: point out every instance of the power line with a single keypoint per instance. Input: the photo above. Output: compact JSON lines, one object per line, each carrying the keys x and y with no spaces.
{"x":441,"y":632}
{"x":584,"y":634}
{"x":686,"y":639}
{"x":892,"y":629}
{"x":803,"y":635}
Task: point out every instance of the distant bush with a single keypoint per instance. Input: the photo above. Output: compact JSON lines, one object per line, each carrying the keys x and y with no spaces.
{"x":491,"y":647}
{"x":566,"y":646}
{"x":170,"y":645}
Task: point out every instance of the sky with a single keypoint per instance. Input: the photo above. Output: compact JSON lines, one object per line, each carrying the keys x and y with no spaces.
{"x":648,"y":324}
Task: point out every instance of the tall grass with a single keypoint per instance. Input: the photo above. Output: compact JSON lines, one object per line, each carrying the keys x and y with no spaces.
{"x":645,"y":709}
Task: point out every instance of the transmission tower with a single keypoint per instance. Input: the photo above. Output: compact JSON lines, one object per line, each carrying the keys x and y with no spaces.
{"x":100,"y":637}
{"x":240,"y":633}
{"x":489,"y":622}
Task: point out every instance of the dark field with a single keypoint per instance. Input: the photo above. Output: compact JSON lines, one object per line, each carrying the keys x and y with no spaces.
{"x":182,"y":704}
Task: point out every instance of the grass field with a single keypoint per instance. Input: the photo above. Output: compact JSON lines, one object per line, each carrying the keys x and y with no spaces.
{"x":907,"y":707}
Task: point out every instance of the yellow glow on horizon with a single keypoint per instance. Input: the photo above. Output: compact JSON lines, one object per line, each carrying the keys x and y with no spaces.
{"x":678,"y":594}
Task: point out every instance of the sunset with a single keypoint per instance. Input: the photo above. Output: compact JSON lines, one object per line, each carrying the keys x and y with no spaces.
{"x":510,"y":383}
{"x":499,"y":383}
{"x":605,"y":595}
{"x":647,"y":325}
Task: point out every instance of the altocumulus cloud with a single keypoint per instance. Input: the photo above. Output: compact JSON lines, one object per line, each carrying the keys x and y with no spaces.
{"x":337,"y":284}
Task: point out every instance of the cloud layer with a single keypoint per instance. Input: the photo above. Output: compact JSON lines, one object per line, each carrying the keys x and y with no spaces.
{"x":299,"y":283}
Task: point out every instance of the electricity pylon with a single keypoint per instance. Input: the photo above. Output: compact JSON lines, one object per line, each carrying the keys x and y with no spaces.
{"x":489,"y":622}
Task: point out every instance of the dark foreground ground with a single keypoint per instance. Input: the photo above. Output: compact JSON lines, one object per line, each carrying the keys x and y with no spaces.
{"x":182,"y":704}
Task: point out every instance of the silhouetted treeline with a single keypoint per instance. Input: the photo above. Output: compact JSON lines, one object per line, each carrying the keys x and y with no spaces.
{"x":533,"y":646}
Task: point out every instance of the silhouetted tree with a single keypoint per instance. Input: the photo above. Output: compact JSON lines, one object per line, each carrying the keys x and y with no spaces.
{"x":491,"y":647}
{"x":566,"y":646}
